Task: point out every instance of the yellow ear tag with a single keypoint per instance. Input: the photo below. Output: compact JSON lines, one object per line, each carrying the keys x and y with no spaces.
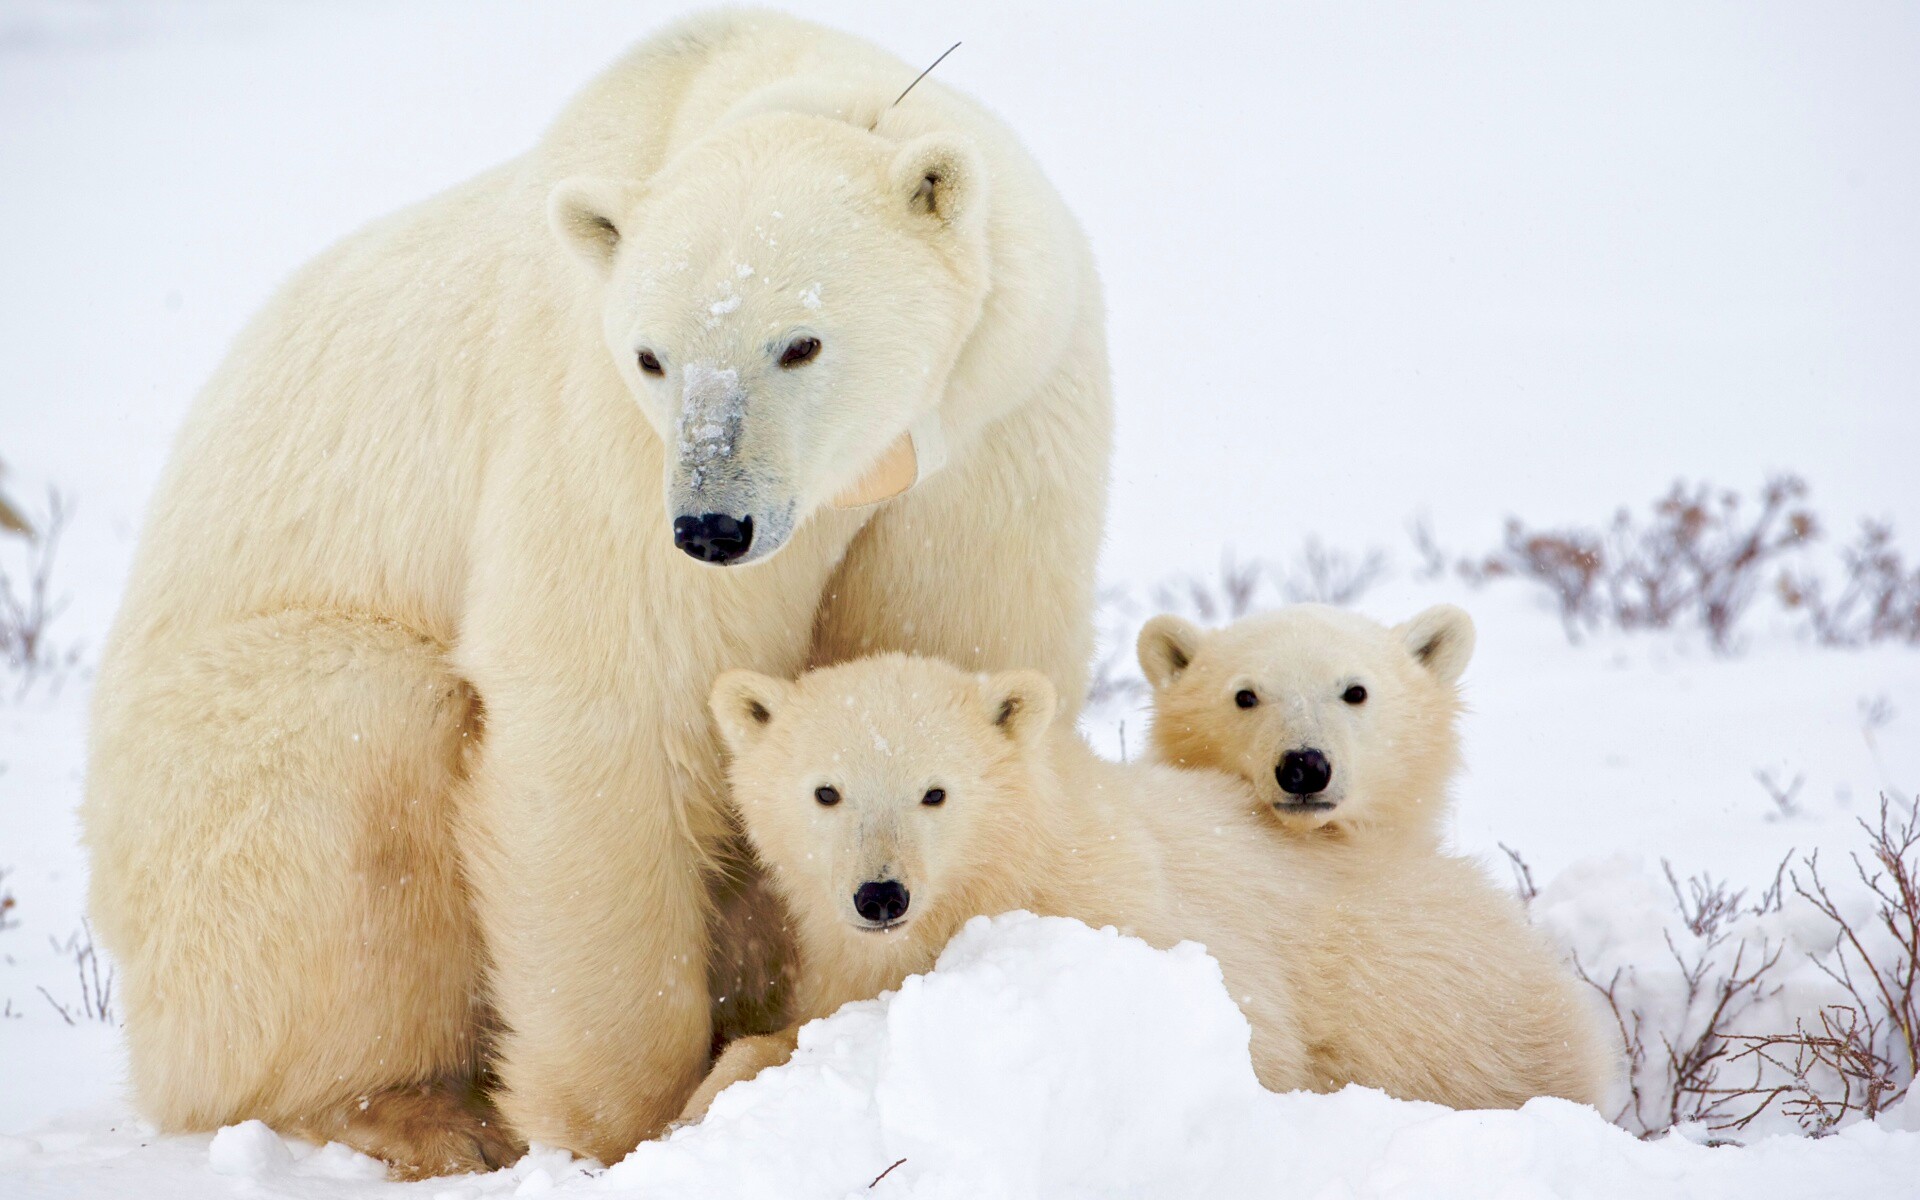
{"x":913,"y":456}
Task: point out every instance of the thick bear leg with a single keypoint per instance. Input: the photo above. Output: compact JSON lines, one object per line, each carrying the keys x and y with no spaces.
{"x":273,"y":870}
{"x":591,"y":889}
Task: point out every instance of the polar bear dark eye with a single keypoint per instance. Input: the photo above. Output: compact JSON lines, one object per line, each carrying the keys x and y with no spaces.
{"x":827,"y":796}
{"x":1355,"y":695}
{"x":1245,"y":698}
{"x":799,"y":350}
{"x":934,"y":798}
{"x":649,"y":363}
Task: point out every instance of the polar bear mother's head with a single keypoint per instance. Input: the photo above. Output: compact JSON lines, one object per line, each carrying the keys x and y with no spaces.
{"x":786,"y":299}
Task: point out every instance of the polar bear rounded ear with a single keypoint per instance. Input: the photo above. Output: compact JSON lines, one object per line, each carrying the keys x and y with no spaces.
{"x":1020,"y":704}
{"x":941,"y":175}
{"x":744,"y":704}
{"x":1166,"y":646}
{"x":1441,"y":640}
{"x":586,"y":214}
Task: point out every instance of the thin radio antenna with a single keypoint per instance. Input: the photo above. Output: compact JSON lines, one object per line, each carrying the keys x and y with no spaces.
{"x":922,"y":75}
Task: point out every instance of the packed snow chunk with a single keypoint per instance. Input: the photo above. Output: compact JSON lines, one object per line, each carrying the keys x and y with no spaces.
{"x":1074,"y":1061}
{"x":248,"y":1149}
{"x":335,"y":1161}
{"x":1040,"y":1058}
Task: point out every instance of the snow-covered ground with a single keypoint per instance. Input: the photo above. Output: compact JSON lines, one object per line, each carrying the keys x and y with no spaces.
{"x":1363,"y":264}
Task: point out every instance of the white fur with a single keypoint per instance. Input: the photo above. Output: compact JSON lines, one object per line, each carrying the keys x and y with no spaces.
{"x":409,"y":665}
{"x":1412,"y":975}
{"x":1377,"y":851}
{"x":1393,"y":754}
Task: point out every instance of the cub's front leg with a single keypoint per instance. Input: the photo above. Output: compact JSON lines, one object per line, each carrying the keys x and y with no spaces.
{"x":742,"y":1059}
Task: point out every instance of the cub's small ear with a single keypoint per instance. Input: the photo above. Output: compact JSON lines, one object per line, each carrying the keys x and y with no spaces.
{"x":586,"y":215}
{"x":744,"y":705}
{"x":1020,"y":704}
{"x":942,"y":175}
{"x":1441,"y":640}
{"x":1167,"y":644}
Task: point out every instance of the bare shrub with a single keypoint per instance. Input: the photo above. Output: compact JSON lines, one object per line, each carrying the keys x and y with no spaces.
{"x":1237,"y":588}
{"x":1673,"y":1078}
{"x":96,"y":981}
{"x":12,"y":520}
{"x":1523,"y":885}
{"x":1323,"y":575}
{"x":1674,"y":1075}
{"x":1567,"y":563}
{"x":1112,"y":680}
{"x":1878,"y":966}
{"x":1700,"y":557}
{"x":27,"y":604}
{"x":1785,"y":796}
{"x":7,"y":903}
{"x":1318,"y":574}
{"x":1851,"y":1057}
{"x":1878,"y":598}
{"x":1819,"y":1079}
{"x":1706,"y":905}
{"x":1426,"y":547}
{"x":1227,"y":596}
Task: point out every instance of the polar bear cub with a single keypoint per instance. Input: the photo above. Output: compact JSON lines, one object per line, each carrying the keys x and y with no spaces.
{"x":1344,"y":727}
{"x":1346,"y":731}
{"x":893,"y":798}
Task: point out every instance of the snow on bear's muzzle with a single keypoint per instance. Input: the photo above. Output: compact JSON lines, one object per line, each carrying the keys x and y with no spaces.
{"x":731,"y":504}
{"x":732,"y":496}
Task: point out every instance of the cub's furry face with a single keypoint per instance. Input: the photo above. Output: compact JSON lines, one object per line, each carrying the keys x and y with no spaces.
{"x":884,"y":795}
{"x":1338,"y":721}
{"x":784,"y":300}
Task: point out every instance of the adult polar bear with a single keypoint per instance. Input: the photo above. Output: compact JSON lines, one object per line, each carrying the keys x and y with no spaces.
{"x":410,"y":665}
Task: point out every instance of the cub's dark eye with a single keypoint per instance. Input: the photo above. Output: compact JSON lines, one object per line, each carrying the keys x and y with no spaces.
{"x":934,"y":798}
{"x":649,"y":363}
{"x":827,"y":796}
{"x":799,"y":350}
{"x":1355,"y":695}
{"x":1245,"y":698}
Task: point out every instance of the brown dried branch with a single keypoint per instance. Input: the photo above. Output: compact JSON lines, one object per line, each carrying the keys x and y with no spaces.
{"x":1700,"y":557}
{"x":1523,"y":884}
{"x":96,"y":980}
{"x":1887,"y":983}
{"x":1878,"y":598}
{"x":1829,"y":1076}
{"x":27,"y":604}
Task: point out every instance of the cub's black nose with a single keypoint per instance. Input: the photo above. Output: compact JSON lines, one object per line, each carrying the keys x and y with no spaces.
{"x":881,"y":902}
{"x":1303,"y":772}
{"x":713,"y":537}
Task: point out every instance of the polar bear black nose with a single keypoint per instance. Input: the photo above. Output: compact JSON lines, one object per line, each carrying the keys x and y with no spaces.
{"x":881,"y":902}
{"x":713,"y":537}
{"x":1303,"y":772}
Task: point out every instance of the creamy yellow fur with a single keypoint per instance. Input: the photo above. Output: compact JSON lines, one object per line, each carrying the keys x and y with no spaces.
{"x":1376,"y":854}
{"x":1032,"y":819}
{"x":409,"y":665}
{"x":1393,"y":755}
{"x":1415,"y":977}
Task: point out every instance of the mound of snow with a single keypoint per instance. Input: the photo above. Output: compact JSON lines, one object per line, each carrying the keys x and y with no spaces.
{"x":248,"y":1149}
{"x":1042,"y":1058}
{"x":253,"y":1151}
{"x":1039,"y":1058}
